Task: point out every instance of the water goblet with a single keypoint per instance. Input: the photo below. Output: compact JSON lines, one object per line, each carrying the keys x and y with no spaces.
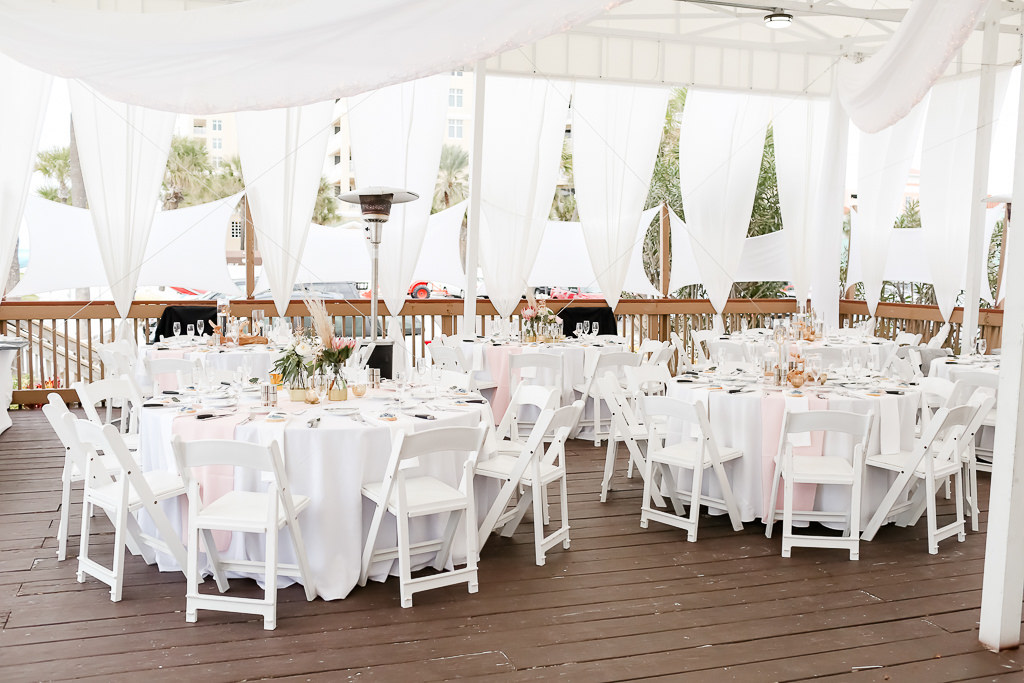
{"x":200,"y":326}
{"x":190,"y":330}
{"x":982,"y":346}
{"x":586,"y":327}
{"x":176,"y":328}
{"x":579,"y":330}
{"x":596,"y":327}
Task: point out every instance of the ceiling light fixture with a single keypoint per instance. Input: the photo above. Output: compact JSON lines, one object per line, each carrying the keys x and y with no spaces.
{"x":778,"y":20}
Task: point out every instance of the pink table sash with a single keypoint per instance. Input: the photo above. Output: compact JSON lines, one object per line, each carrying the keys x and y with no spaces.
{"x":497,"y":363}
{"x":773,"y":407}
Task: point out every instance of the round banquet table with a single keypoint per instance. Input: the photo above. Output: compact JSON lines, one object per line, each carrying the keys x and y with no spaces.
{"x":490,"y":361}
{"x":329,"y":463}
{"x":747,"y":416}
{"x":872,"y":351}
{"x":257,"y":358}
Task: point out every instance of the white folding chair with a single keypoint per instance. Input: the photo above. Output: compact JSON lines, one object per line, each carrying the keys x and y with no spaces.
{"x":824,"y":469}
{"x":722,"y":351}
{"x":649,"y":380}
{"x":935,"y":393}
{"x":451,"y":359}
{"x":654,"y":352}
{"x":907,"y":339}
{"x":407,"y":496}
{"x":590,"y":389}
{"x":699,"y":338}
{"x":158,"y":368}
{"x":534,"y":469}
{"x":526,"y":395}
{"x":121,"y":494}
{"x":536,"y":368}
{"x":118,"y":357}
{"x":966,"y":384}
{"x":937,"y":455}
{"x":682,"y":354}
{"x":115,"y":392}
{"x":696,"y":455}
{"x":940,"y":337}
{"x":626,"y":427}
{"x":261,"y":512}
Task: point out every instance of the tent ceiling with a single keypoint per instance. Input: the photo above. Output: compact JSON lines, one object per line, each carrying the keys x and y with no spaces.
{"x":720,"y":44}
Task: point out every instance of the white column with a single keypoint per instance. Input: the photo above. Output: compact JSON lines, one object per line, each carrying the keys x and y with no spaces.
{"x":473,"y":225}
{"x":976,"y":257}
{"x":1003,"y":584}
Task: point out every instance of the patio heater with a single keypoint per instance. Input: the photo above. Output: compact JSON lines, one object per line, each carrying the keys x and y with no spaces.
{"x":375,"y":203}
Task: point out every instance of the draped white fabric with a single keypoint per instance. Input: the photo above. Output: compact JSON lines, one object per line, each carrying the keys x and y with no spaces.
{"x":123,"y":150}
{"x":282,"y":153}
{"x":397,"y":134}
{"x":615,"y":134}
{"x":882,"y":167}
{"x":26,"y":92}
{"x":684,"y":262}
{"x":766,"y":258}
{"x":799,"y":133}
{"x":829,"y":214}
{"x":524,"y":124}
{"x":439,"y":258}
{"x":265,"y":54}
{"x":186,"y":248}
{"x":947,"y":173}
{"x":636,"y":276}
{"x":721,"y":142}
{"x":884,"y":88}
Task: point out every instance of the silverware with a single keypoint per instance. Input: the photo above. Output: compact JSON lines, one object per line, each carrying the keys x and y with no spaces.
{"x":314,"y":423}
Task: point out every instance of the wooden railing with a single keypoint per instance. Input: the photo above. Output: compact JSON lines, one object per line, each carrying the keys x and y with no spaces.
{"x":62,"y":335}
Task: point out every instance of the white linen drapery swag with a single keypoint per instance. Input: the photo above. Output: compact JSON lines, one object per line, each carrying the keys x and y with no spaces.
{"x":186,"y":248}
{"x":615,"y":134}
{"x":282,"y":153}
{"x":884,"y":88}
{"x":439,"y":257}
{"x":123,"y":149}
{"x":26,"y":92}
{"x":524,"y":125}
{"x":397,"y":135}
{"x":882,"y":167}
{"x":799,"y":134}
{"x":290,"y":47}
{"x":947,"y":174}
{"x":721,"y":142}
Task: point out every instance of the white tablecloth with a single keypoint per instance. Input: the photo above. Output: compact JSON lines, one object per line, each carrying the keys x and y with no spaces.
{"x":872,"y":352}
{"x":258,"y":358}
{"x":329,"y":464}
{"x":736,"y":419}
{"x":8,"y":353}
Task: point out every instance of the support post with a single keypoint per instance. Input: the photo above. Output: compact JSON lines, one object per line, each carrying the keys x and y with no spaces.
{"x":664,"y":257}
{"x":473,"y":224}
{"x":250,"y":252}
{"x":1000,"y":294}
{"x":1003,"y":582}
{"x":982,"y":152}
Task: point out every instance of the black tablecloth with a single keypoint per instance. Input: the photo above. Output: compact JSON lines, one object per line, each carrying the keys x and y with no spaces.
{"x":577,"y":314}
{"x":186,"y":315}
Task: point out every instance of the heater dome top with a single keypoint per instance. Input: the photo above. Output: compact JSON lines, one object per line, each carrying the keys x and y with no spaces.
{"x":396,"y":195}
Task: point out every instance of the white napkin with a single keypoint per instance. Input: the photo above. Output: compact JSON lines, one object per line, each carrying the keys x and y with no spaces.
{"x":798,"y":404}
{"x":889,"y":424}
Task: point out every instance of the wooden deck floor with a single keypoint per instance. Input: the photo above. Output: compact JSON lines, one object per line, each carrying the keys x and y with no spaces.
{"x":623,"y":603}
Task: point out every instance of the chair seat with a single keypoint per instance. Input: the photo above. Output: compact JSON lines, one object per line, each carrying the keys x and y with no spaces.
{"x":242,"y":510}
{"x":423,"y":495}
{"x":902,"y":461}
{"x":500,"y":466}
{"x":163,"y":484}
{"x":688,"y":453}
{"x":820,"y":469}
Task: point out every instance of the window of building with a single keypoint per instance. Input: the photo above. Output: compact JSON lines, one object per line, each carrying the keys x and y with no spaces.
{"x":455,"y":128}
{"x":454,"y":97}
{"x":199,"y":126}
{"x":217,"y":124}
{"x":337,"y":128}
{"x":337,"y":190}
{"x":236,"y":228}
{"x":457,"y":72}
{"x":217,"y":143}
{"x":337,"y":159}
{"x":217,"y":161}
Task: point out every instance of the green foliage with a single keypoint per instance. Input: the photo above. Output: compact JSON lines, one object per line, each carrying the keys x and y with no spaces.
{"x":325,"y":211}
{"x":563,"y":206}
{"x":55,"y":165}
{"x":188,"y":173}
{"x":995,"y":250}
{"x":452,"y":178}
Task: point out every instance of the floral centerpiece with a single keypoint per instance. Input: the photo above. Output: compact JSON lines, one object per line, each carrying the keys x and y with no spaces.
{"x":295,"y":365}
{"x":332,"y":351}
{"x":538,"y":321}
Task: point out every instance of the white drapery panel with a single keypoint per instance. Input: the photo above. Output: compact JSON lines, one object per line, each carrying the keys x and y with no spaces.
{"x":798,"y":126}
{"x":947,"y":174}
{"x":332,"y":254}
{"x":721,"y":142}
{"x":397,"y":134}
{"x":553,"y":269}
{"x":884,"y":88}
{"x":282,"y":153}
{"x":265,"y":54}
{"x":123,"y":150}
{"x":26,"y":92}
{"x":615,"y":134}
{"x":829,"y":213}
{"x":766,"y":258}
{"x":440,"y":259}
{"x":524,"y":125}
{"x":186,"y":248}
{"x":882,"y":167}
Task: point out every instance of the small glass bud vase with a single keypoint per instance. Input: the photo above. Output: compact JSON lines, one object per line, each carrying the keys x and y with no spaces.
{"x":339,"y":388}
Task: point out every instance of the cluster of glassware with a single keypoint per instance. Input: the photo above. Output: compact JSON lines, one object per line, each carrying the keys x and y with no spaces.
{"x":587,"y":329}
{"x":190,"y":330}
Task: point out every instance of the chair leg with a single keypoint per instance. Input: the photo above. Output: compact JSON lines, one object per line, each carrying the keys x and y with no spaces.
{"x":769,"y":521}
{"x":83,"y":541}
{"x":645,"y":500}
{"x":882,"y":512}
{"x":65,"y":507}
{"x":787,"y":516}
{"x":854,"y":526}
{"x":300,"y":555}
{"x":213,"y":555}
{"x":404,"y":560}
{"x":609,"y":466}
{"x":119,"y":550}
{"x":933,"y":543}
{"x":538,"y":527}
{"x":445,"y":551}
{"x":563,"y":495}
{"x":695,"y":492}
{"x":192,"y":574}
{"x":371,"y":542}
{"x":597,"y":421}
{"x":959,"y":481}
{"x":270,"y":587}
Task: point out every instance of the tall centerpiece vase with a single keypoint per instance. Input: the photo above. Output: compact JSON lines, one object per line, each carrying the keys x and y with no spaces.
{"x":339,"y":388}
{"x":298,"y":386}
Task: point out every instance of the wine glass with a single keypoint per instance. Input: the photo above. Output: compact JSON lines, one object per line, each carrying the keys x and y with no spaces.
{"x":176,"y":328}
{"x":744,"y":325}
{"x":586,"y":327}
{"x":190,"y":330}
{"x":597,"y":326}
{"x":579,"y":330}
{"x":322,"y":384}
{"x":200,"y":325}
{"x":982,"y":346}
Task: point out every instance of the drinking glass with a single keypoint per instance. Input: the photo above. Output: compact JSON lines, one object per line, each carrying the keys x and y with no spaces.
{"x":234,"y":329}
{"x":190,"y":330}
{"x":200,"y":325}
{"x":579,"y":330}
{"x":857,"y":364}
{"x":982,"y":346}
{"x":358,"y":385}
{"x":597,"y":326}
{"x":176,"y":327}
{"x":322,"y":384}
{"x":744,"y":325}
{"x":421,"y":370}
{"x":586,"y":327}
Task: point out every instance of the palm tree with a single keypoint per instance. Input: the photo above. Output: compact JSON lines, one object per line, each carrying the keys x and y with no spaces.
{"x":225,"y":181}
{"x":325,"y":211}
{"x":452,"y":178}
{"x":55,"y":165}
{"x":188,"y":172}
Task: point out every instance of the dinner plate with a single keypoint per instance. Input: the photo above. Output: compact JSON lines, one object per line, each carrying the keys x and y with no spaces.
{"x":342,"y":410}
